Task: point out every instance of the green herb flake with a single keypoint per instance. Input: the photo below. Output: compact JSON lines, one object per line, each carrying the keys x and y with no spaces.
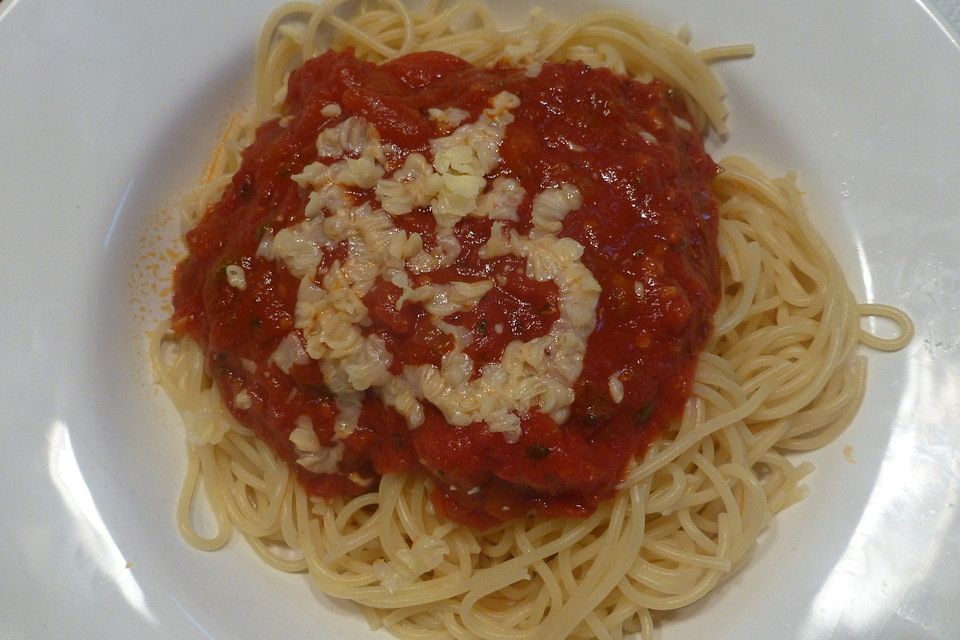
{"x":641,"y":417}
{"x":538,"y":452}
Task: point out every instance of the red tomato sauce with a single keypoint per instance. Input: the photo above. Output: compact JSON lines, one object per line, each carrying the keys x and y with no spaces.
{"x":648,"y":217}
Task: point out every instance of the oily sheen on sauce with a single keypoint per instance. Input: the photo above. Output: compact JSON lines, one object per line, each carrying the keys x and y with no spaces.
{"x":648,"y":223}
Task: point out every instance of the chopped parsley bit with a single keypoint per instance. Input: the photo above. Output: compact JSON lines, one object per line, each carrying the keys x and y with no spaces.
{"x":245,"y":189}
{"x":286,"y":169}
{"x":644,"y":414}
{"x":220,"y":363}
{"x":538,"y":452}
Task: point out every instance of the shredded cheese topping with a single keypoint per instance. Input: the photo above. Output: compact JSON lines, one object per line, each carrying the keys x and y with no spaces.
{"x":310,"y":455}
{"x":242,"y":400}
{"x":425,"y":554}
{"x":331,"y":316}
{"x":236,"y":276}
{"x":616,"y":387}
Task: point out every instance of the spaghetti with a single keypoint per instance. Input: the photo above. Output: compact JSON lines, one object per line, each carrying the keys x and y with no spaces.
{"x":779,"y":373}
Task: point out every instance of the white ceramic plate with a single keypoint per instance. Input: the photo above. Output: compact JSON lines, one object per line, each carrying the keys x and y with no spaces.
{"x":107,"y":111}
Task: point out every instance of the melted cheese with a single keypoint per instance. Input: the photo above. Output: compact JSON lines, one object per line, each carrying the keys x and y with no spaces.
{"x":501,"y":201}
{"x":289,"y":352}
{"x":242,"y":400}
{"x":331,"y":110}
{"x":616,"y":387}
{"x":450,"y":118}
{"x":310,"y":455}
{"x":236,"y":277}
{"x":330,"y":315}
